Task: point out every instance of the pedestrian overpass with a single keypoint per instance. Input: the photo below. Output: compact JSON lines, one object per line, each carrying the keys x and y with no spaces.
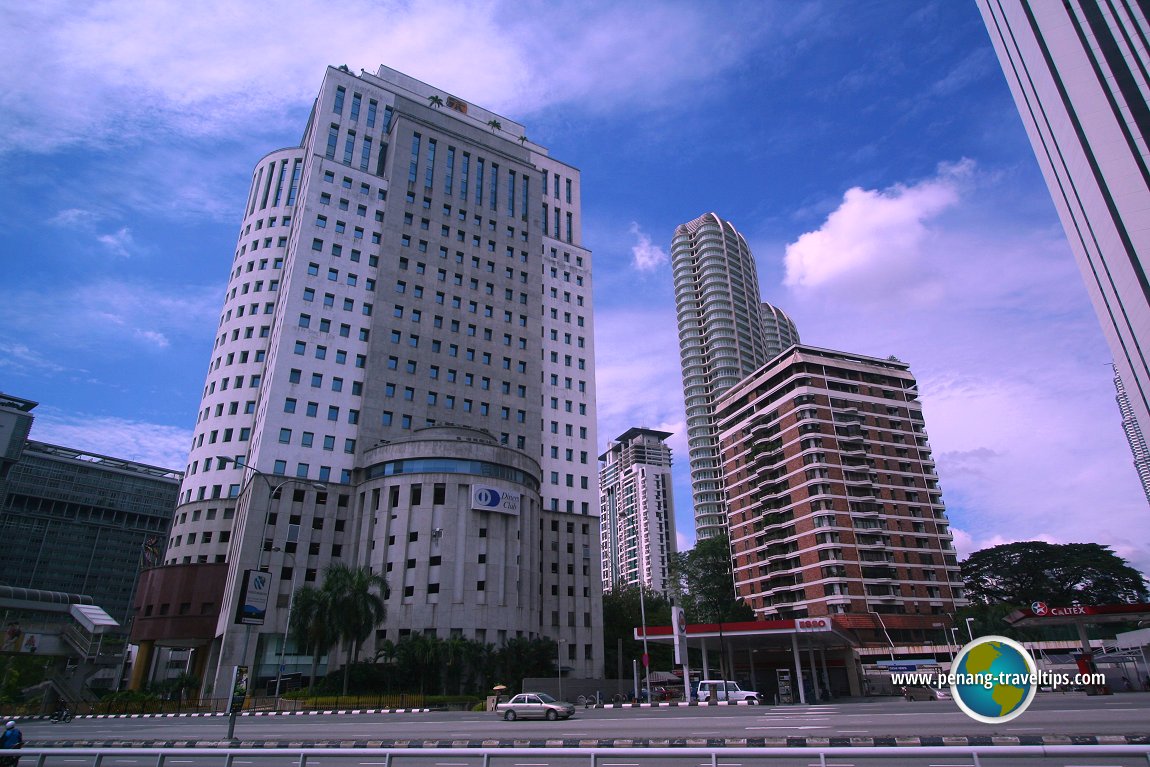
{"x":77,"y":638}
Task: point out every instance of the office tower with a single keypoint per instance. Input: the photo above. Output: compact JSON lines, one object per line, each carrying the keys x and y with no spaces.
{"x":779,"y":331}
{"x":1133,"y":435}
{"x":402,"y":378}
{"x":637,"y":510}
{"x":1078,"y":71}
{"x":720,"y":342}
{"x":74,"y":521}
{"x":835,"y":507}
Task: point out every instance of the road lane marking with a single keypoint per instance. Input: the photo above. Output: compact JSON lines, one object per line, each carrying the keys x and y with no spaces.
{"x":792,"y":727}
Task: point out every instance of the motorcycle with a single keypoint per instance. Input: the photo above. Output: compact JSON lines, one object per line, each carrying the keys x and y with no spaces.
{"x":62,"y":714}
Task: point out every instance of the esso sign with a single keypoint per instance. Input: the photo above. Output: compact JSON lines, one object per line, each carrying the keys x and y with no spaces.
{"x":813,"y":624}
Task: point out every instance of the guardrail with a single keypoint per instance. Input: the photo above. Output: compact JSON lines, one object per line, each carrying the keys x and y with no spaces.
{"x":397,"y":757}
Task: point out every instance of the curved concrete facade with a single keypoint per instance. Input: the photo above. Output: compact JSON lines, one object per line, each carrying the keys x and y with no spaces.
{"x":452,"y":516}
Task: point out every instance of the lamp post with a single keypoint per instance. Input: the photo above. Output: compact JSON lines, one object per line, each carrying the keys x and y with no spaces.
{"x":287,"y":629}
{"x":559,"y":663}
{"x":969,"y":630}
{"x":945,"y":638}
{"x":273,"y":489}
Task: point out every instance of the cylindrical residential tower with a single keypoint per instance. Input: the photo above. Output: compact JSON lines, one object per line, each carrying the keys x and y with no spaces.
{"x":720,"y":342}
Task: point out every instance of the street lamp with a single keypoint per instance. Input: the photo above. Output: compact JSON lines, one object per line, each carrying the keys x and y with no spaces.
{"x":969,"y":630}
{"x":945,"y":638}
{"x":559,"y":663}
{"x":287,"y":629}
{"x":275,"y":483}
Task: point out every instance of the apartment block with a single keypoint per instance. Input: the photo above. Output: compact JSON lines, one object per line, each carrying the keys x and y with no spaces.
{"x":637,"y":510}
{"x":835,"y":506}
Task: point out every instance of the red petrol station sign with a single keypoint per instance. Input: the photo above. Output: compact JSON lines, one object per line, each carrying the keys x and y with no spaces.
{"x":1041,"y":612}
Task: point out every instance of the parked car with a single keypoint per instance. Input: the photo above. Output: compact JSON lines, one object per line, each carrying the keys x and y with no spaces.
{"x":922,"y":692}
{"x":535,"y":704}
{"x":723,"y":690}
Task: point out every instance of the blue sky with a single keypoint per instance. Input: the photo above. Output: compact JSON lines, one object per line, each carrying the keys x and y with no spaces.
{"x":869,"y":152}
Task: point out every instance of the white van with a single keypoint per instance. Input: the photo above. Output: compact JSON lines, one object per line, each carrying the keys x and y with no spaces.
{"x":722,"y":690}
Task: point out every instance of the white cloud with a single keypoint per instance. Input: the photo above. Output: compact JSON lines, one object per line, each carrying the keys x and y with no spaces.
{"x":645,"y":256}
{"x":75,"y":218}
{"x":638,"y":382}
{"x":155,"y":338}
{"x":112,"y":72}
{"x":874,"y":237}
{"x":119,"y":244}
{"x":1011,"y":364}
{"x":161,"y":445}
{"x":19,"y":358}
{"x":115,"y":316}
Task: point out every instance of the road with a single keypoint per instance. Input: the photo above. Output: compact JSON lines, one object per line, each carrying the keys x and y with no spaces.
{"x":1050,"y":714}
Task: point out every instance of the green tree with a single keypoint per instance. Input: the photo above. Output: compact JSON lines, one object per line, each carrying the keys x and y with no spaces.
{"x":1059,"y":574}
{"x":706,"y":582}
{"x":706,"y":579}
{"x":418,"y":657}
{"x":435,"y":101}
{"x":311,"y":624}
{"x":521,"y":657}
{"x":494,"y":125}
{"x":355,"y":597}
{"x":621,"y":616}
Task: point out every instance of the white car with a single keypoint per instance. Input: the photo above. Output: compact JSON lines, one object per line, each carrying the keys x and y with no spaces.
{"x":723,"y":690}
{"x":535,"y":704}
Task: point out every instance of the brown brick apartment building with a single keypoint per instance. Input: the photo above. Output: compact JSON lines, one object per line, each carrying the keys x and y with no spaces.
{"x":834,"y":506}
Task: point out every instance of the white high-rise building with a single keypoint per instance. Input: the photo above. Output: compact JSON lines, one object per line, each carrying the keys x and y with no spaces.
{"x":1134,"y":436}
{"x":637,"y":510}
{"x":779,"y":330}
{"x":721,"y":341}
{"x":1080,"y":74}
{"x":402,"y":378}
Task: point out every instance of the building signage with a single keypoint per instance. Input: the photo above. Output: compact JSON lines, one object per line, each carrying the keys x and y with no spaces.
{"x":1041,"y":609}
{"x":456,"y":104}
{"x":812,"y":624}
{"x":254,"y":598}
{"x":679,"y":627}
{"x":485,"y":498}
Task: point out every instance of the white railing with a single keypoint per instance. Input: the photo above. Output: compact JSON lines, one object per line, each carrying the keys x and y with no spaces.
{"x":398,"y":757}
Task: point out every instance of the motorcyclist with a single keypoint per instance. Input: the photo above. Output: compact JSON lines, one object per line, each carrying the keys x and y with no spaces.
{"x":12,"y":738}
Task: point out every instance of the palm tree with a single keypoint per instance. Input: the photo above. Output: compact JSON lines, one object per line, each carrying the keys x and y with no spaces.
{"x":434,"y":101}
{"x":522,"y":140}
{"x":356,"y":608}
{"x":494,"y":125}
{"x":311,"y":624}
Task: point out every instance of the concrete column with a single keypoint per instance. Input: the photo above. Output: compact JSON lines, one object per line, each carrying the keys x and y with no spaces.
{"x":145,"y":649}
{"x":751,"y":663}
{"x":798,"y":668}
{"x":826,"y":674}
{"x":706,"y":662}
{"x":199,"y":664}
{"x":815,"y":684}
